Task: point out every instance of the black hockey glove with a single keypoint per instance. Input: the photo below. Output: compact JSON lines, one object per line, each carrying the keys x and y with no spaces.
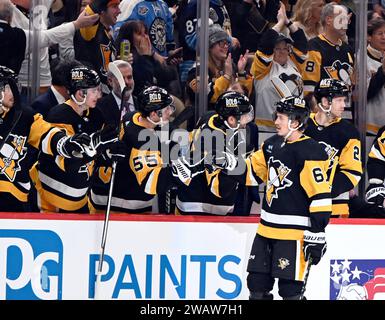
{"x":117,"y":151}
{"x":98,"y":6}
{"x":184,"y":171}
{"x":314,"y":246}
{"x":375,"y":194}
{"x":101,"y":140}
{"x":73,"y":146}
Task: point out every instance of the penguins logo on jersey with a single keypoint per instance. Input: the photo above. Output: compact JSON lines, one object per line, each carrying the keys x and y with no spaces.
{"x":277,"y":179}
{"x":11,"y":154}
{"x":106,"y":56}
{"x":293,"y":82}
{"x":157,"y":34}
{"x":340,"y":70}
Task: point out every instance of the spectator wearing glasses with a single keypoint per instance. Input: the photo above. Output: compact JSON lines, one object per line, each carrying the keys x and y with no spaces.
{"x":277,"y":68}
{"x":220,"y":64}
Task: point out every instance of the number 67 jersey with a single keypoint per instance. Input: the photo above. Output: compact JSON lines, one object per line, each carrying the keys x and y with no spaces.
{"x":297,"y":195}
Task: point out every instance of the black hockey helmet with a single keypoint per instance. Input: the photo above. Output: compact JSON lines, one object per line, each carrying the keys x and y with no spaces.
{"x":82,"y":78}
{"x":153,"y":98}
{"x":232,"y":103}
{"x":295,"y":107}
{"x":331,"y":88}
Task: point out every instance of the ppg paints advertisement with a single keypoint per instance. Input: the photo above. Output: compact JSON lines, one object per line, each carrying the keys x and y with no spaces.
{"x":167,"y":257}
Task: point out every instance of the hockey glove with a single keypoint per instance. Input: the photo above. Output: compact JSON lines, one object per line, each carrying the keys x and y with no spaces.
{"x":182,"y":170}
{"x":100,"y":140}
{"x":73,"y":146}
{"x":314,"y":246}
{"x":375,"y":194}
{"x":117,"y":151}
{"x":98,"y":6}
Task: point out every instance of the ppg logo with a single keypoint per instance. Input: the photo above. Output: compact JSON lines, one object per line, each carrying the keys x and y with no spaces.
{"x":31,"y":265}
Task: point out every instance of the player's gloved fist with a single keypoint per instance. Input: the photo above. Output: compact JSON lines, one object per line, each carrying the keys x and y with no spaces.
{"x":314,"y":246}
{"x":102,"y":138}
{"x":73,"y":146}
{"x":117,"y":151}
{"x":98,"y":6}
{"x":184,"y":171}
{"x":375,"y":193}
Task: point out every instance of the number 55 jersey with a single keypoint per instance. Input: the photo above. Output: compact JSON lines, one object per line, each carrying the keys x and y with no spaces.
{"x":138,"y":178}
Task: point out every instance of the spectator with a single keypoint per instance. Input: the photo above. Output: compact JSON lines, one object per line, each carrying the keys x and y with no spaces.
{"x":329,"y":55}
{"x":307,"y":14}
{"x":375,"y":76}
{"x":57,"y":93}
{"x":54,"y":35}
{"x":149,"y":68}
{"x":221,"y":69}
{"x":186,"y":22}
{"x":156,"y":16}
{"x":110,"y":105}
{"x":277,"y":69}
{"x":95,"y":44}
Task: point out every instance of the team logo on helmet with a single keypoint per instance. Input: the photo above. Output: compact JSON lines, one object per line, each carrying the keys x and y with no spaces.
{"x":277,"y":179}
{"x":300,"y":103}
{"x":231,"y":103}
{"x":77,"y":74}
{"x":12,"y":152}
{"x":155,"y":97}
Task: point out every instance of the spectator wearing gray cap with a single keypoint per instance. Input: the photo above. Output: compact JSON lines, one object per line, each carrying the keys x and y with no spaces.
{"x":220,"y":65}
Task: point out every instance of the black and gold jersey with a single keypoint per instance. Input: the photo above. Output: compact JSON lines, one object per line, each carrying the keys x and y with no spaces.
{"x":326,"y":60}
{"x":214,"y":191}
{"x":138,"y":178}
{"x":30,"y":129}
{"x":62,"y":183}
{"x":341,"y":142}
{"x":96,"y":45}
{"x":376,"y":157}
{"x":297,"y":195}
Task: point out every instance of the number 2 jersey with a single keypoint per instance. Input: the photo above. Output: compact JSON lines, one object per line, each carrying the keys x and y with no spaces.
{"x":297,"y":195}
{"x":341,"y":142}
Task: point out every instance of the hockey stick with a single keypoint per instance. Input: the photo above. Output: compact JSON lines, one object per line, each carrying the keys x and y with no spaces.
{"x":118,"y":75}
{"x":307,"y":272}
